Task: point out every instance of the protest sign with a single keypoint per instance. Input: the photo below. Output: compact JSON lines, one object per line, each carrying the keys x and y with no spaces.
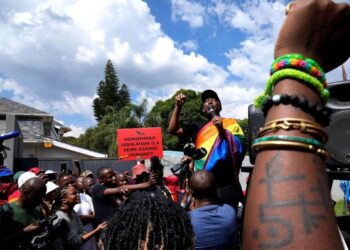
{"x":143,"y":142}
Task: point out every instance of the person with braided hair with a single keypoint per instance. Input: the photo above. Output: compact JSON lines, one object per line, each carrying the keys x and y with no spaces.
{"x":153,"y":222}
{"x":73,"y":238}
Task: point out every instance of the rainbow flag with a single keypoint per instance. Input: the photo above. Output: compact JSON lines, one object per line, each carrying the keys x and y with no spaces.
{"x":223,"y":148}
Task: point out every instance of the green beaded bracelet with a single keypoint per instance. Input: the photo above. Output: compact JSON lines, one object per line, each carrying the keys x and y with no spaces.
{"x":311,"y":141}
{"x":292,"y":74}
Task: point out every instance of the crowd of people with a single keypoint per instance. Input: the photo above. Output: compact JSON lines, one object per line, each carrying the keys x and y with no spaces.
{"x":113,"y":210}
{"x":287,"y":205}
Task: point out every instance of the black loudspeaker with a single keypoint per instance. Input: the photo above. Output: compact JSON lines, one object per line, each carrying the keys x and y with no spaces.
{"x":256,"y":120}
{"x":338,"y":130}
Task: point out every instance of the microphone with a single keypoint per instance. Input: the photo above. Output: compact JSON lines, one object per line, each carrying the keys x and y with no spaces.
{"x":211,"y":110}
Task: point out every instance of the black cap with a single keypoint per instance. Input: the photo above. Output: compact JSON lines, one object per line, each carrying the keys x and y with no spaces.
{"x":209,"y":94}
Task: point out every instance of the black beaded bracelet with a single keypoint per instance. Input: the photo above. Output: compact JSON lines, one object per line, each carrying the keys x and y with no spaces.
{"x":319,"y":112}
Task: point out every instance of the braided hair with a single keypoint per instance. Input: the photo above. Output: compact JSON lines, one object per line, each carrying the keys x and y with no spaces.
{"x":57,"y":203}
{"x":153,"y":222}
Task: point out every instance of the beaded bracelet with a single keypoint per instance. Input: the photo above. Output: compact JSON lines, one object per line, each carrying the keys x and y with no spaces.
{"x":306,"y":65}
{"x":319,"y":112}
{"x":310,"y":141}
{"x":293,"y":74}
{"x":290,"y":145}
{"x":310,"y":61}
{"x":305,"y":126}
{"x":299,"y":56}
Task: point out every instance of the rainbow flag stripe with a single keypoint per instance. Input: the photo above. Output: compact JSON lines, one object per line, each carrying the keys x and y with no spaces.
{"x":216,"y":146}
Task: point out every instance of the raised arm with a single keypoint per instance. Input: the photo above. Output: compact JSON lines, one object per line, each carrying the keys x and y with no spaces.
{"x":288,"y":204}
{"x":174,"y":124}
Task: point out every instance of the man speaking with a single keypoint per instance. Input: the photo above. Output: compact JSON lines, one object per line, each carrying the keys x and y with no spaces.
{"x":222,"y":138}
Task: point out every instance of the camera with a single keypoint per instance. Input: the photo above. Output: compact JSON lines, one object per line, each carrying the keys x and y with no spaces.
{"x":50,"y":229}
{"x":191,"y":151}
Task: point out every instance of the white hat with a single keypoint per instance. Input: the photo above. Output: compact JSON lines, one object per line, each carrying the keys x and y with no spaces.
{"x":24,"y":177}
{"x":50,"y":172}
{"x":50,"y":186}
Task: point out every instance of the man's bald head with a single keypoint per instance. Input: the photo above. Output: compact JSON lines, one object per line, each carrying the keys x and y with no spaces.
{"x":33,"y":191}
{"x":202,"y":185}
{"x":35,"y":184}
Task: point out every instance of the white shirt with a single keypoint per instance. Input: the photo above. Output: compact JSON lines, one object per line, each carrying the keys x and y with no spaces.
{"x":85,"y":207}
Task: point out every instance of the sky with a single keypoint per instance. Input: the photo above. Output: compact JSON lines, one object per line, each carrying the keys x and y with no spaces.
{"x":53,"y":52}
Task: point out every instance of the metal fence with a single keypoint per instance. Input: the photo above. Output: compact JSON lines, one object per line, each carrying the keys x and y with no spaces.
{"x":76,"y":166}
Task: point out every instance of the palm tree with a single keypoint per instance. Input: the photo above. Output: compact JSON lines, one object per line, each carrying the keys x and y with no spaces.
{"x":138,"y":112}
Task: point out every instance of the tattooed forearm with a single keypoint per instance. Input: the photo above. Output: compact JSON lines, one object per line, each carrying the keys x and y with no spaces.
{"x":278,"y":230}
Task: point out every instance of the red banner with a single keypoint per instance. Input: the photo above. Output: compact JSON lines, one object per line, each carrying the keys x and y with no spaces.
{"x":143,"y":142}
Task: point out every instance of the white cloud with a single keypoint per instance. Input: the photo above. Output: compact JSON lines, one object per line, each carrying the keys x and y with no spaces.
{"x":23,"y":18}
{"x":73,"y":105}
{"x":53,"y":53}
{"x":260,"y":21}
{"x":252,"y":17}
{"x":236,"y":99}
{"x":85,"y":55}
{"x":189,"y":45}
{"x":76,"y":131}
{"x":188,"y":11}
{"x":251,"y":61}
{"x":10,"y":85}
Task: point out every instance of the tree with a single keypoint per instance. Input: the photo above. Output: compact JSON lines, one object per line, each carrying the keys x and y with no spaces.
{"x":139,"y":112}
{"x":102,"y":138}
{"x":124,"y":96}
{"x":243,"y":123}
{"x":109,"y":93}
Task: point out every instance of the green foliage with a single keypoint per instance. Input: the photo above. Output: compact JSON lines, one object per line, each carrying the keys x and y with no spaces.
{"x":138,"y":112}
{"x":124,"y":96}
{"x":110,"y":95}
{"x":70,"y":140}
{"x":153,"y":120}
{"x":102,"y":138}
{"x":112,"y":110}
{"x":243,"y":123}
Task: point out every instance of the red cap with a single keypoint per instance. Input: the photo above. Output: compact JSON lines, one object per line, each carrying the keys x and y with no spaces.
{"x":35,"y":170}
{"x":138,"y":169}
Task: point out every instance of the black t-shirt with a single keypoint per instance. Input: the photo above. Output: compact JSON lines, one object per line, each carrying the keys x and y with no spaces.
{"x":104,"y":205}
{"x":192,"y":130}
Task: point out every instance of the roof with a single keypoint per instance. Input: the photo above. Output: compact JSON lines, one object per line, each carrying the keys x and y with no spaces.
{"x":78,"y":150}
{"x":11,"y":107}
{"x":56,"y":124}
